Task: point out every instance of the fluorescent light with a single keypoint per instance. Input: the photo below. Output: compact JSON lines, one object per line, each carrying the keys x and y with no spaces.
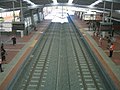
{"x":118,"y":11}
{"x":95,"y":3}
{"x":29,"y":2}
{"x":2,"y":9}
{"x":55,"y":1}
{"x":70,"y":1}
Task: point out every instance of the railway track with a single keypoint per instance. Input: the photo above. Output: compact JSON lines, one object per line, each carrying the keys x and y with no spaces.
{"x":59,"y":62}
{"x":88,"y":76}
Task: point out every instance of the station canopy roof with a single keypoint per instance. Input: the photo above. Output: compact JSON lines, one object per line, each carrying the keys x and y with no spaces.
{"x":8,"y":4}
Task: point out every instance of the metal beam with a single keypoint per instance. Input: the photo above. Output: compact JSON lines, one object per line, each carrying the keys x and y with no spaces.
{"x":115,"y":1}
{"x":7,"y":1}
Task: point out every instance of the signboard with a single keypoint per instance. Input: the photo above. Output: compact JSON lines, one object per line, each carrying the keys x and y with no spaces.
{"x":18,"y":26}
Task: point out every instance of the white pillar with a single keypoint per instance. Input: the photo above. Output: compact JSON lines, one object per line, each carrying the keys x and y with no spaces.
{"x":103,"y":19}
{"x":21,"y":13}
{"x":111,"y":11}
{"x":13,"y":10}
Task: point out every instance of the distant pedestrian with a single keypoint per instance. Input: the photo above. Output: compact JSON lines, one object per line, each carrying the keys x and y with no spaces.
{"x":94,"y":33}
{"x":112,"y":46}
{"x":14,"y":40}
{"x":109,"y":42}
{"x":98,"y":25}
{"x":1,"y":66}
{"x":3,"y":54}
{"x":2,"y":46}
{"x":100,"y":41}
{"x":35,"y":28}
{"x":94,"y":26}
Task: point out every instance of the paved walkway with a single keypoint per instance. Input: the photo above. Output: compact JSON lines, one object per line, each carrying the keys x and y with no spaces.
{"x":16,"y":54}
{"x":111,"y":65}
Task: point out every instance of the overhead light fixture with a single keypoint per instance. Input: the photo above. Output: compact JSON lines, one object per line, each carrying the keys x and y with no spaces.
{"x":95,"y":3}
{"x":70,"y":1}
{"x":2,"y":9}
{"x":118,"y":11}
{"x":29,"y":2}
{"x":54,"y":1}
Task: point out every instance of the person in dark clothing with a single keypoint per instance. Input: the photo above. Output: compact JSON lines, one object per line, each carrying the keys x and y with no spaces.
{"x":2,"y":46}
{"x":111,"y":49}
{"x":1,"y":66}
{"x":35,"y":28}
{"x":14,"y":40}
{"x":3,"y":54}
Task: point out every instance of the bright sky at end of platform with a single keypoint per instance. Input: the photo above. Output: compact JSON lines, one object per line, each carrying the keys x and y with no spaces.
{"x":58,"y":16}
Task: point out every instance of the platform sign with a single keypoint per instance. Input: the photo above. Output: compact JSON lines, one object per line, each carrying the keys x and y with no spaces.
{"x":18,"y":26}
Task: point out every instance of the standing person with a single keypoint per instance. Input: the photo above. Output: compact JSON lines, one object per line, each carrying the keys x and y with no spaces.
{"x":3,"y":54}
{"x":100,"y":41}
{"x":112,"y":46}
{"x":14,"y":40}
{"x":109,"y":42}
{"x":1,"y":66}
{"x":2,"y":46}
{"x":94,"y":33}
{"x":35,"y":28}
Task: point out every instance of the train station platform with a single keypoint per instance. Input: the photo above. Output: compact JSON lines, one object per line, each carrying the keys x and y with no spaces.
{"x":111,"y":65}
{"x":17,"y":53}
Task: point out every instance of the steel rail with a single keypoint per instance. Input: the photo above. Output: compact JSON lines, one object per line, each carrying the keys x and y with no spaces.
{"x":32,"y":63}
{"x":44,"y":64}
{"x":79,"y":42}
{"x":42,"y":73}
{"x":66,"y":54}
{"x":83,"y":81}
{"x":84,"y":54}
{"x":37,"y":59}
{"x":58,"y":63}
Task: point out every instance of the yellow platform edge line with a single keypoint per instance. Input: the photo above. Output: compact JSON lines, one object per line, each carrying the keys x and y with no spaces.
{"x":33,"y":43}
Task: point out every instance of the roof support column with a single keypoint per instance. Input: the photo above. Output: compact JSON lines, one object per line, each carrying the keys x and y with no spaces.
{"x":62,"y":11}
{"x":13,"y":11}
{"x":32,"y":18}
{"x":38,"y":15}
{"x":42,"y":13}
{"x":112,"y":32}
{"x":111,"y":11}
{"x":21,"y":12}
{"x":103,"y":19}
